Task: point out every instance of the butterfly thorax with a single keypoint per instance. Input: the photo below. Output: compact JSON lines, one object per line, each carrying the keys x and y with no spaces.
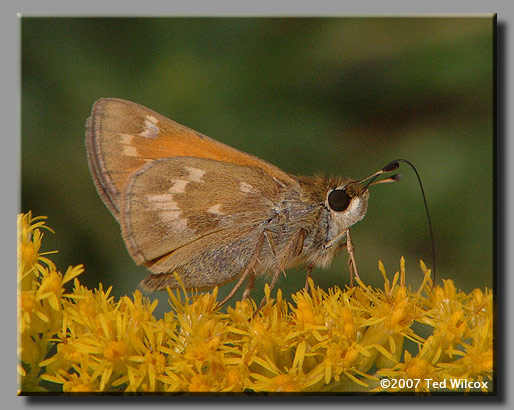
{"x":304,"y":215}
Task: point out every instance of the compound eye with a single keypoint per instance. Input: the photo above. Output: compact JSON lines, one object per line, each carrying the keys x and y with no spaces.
{"x":338,"y":200}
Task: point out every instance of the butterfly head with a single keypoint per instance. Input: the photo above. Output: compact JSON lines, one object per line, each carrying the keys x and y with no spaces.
{"x":347,"y":204}
{"x":347,"y":199}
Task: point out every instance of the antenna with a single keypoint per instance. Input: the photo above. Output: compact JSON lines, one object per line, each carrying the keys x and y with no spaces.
{"x":392,"y":166}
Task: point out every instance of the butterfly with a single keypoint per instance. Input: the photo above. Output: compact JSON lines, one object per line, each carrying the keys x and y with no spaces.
{"x":200,"y":213}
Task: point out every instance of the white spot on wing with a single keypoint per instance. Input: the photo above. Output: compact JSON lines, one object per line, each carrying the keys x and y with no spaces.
{"x":195,"y":174}
{"x":126,"y":139}
{"x":152,"y":119}
{"x":163,"y":202}
{"x":215,"y":209}
{"x":178,"y":186}
{"x":168,"y":211}
{"x":177,"y":225}
{"x":129,"y":151}
{"x":170,"y":215}
{"x":151,"y":129}
{"x":247,"y":188}
{"x":160,"y":198}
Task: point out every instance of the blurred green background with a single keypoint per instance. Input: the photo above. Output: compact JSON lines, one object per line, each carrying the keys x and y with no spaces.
{"x":310,"y":95}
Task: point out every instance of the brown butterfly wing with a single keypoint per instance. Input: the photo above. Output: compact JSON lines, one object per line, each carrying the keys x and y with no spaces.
{"x":123,"y":136}
{"x":175,"y":210}
{"x":209,"y":261}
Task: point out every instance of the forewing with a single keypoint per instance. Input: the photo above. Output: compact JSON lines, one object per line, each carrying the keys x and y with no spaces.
{"x":171,"y":203}
{"x":123,"y":136}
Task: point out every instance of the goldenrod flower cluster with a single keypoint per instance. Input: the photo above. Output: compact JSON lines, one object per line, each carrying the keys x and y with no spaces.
{"x":40,"y":301}
{"x":324,"y":341}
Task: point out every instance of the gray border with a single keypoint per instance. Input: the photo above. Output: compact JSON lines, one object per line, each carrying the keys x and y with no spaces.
{"x":10,"y":201}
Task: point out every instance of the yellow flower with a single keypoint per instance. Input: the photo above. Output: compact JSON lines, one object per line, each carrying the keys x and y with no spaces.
{"x":40,"y":289}
{"x":30,"y":260}
{"x":339,"y":340}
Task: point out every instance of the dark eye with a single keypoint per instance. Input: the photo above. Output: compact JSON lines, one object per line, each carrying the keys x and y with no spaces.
{"x":338,"y":200}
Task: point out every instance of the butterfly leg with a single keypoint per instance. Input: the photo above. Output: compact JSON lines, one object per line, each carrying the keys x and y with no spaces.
{"x":352,"y":266}
{"x":249,"y":285}
{"x":273,"y":247}
{"x":248,"y":270}
{"x":334,"y":240}
{"x":294,"y":249}
{"x":309,"y":270}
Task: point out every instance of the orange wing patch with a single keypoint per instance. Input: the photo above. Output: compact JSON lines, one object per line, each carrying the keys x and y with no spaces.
{"x":123,"y":136}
